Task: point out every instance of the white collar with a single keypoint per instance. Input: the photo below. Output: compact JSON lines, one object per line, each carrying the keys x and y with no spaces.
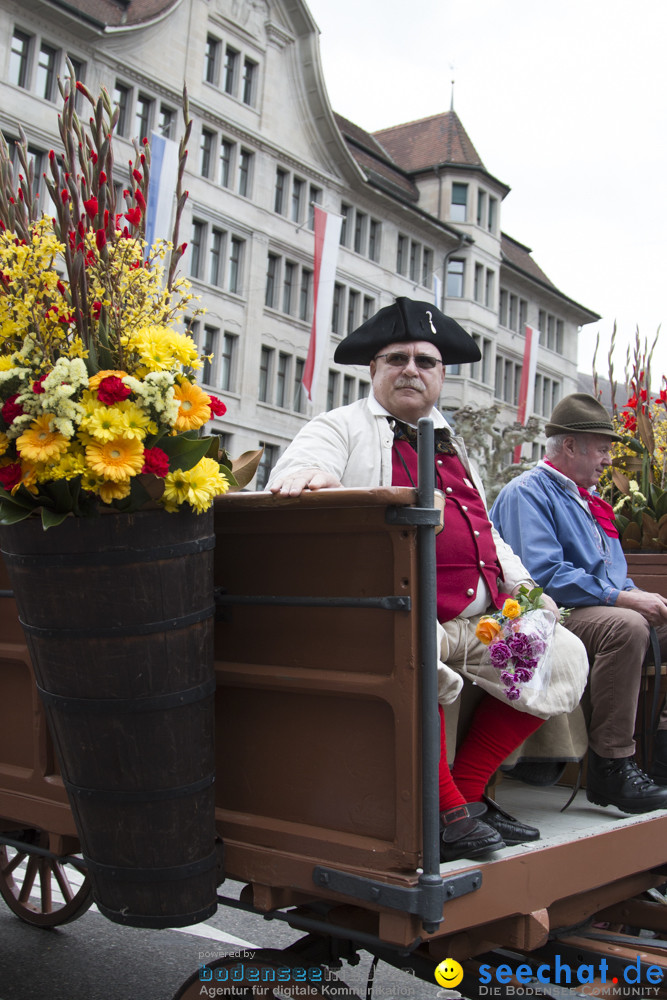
{"x":379,"y":410}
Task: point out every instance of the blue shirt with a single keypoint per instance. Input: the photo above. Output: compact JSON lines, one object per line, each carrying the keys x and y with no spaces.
{"x":549,"y":526}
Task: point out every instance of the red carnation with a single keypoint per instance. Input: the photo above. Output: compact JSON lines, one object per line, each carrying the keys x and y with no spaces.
{"x":112,"y":390}
{"x":38,"y":385}
{"x":218,"y":408}
{"x":10,"y":476}
{"x":97,"y":309}
{"x":156,"y":462}
{"x":11,"y":410}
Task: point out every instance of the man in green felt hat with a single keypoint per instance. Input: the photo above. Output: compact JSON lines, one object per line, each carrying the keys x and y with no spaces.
{"x":564,"y":533}
{"x":371,"y":443}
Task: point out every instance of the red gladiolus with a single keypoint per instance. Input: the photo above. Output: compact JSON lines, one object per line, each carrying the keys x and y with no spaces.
{"x":133,"y":216}
{"x":11,"y":410}
{"x":103,"y":177}
{"x":140,"y":200}
{"x":97,"y":309}
{"x":10,"y":476}
{"x":91,"y":206}
{"x":112,"y":390}
{"x":52,"y":155}
{"x":138,"y":176}
{"x":20,"y":195}
{"x":156,"y":462}
{"x":93,"y":156}
{"x":100,"y":239}
{"x":64,"y":196}
{"x":61,"y":288}
{"x":218,"y":408}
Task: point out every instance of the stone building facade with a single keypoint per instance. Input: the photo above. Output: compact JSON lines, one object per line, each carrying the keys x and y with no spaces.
{"x":420,"y":210}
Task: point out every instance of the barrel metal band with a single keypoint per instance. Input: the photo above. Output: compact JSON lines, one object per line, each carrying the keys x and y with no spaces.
{"x":139,"y":795}
{"x":113,"y":557}
{"x":154,"y":703}
{"x":113,"y":631}
{"x":114,"y":872}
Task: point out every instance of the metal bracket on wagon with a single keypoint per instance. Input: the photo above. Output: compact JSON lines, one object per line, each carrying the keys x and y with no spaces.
{"x":425,"y":901}
{"x":423,"y":517}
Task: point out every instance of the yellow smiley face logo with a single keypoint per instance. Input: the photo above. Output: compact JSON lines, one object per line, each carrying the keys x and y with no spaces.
{"x":448,"y":973}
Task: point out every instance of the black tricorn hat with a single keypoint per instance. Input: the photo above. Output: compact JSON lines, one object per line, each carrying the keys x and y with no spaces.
{"x":580,"y":413}
{"x":404,"y":320}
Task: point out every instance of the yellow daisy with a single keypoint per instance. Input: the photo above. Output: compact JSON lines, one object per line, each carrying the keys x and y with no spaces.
{"x":117,"y":460}
{"x":39,"y":443}
{"x":194,"y":409}
{"x":109,"y":491}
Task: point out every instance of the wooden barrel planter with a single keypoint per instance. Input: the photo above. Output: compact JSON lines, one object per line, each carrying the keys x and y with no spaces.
{"x":118,"y":616}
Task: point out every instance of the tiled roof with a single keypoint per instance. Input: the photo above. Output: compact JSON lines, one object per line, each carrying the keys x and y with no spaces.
{"x":422,"y":144}
{"x":374,"y":160}
{"x":115,"y":13}
{"x":520,"y":256}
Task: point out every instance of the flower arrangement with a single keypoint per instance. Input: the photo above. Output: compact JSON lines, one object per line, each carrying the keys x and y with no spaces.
{"x":99,"y":407}
{"x":517,"y":637}
{"x":636,"y":485}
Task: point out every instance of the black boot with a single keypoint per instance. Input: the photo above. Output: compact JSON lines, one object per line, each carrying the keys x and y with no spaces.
{"x":658,"y":769}
{"x":618,"y":781}
{"x":510,"y":829}
{"x":464,"y":835}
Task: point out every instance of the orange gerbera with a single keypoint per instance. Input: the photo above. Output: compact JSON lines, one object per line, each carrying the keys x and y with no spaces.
{"x":39,"y":443}
{"x":117,"y":459}
{"x":193,"y":406}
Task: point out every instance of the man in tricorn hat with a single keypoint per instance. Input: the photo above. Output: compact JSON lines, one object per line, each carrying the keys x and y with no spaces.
{"x":371,"y":443}
{"x":564,"y":533}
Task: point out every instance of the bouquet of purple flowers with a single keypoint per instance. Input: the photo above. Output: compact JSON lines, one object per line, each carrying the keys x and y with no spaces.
{"x":518,"y":638}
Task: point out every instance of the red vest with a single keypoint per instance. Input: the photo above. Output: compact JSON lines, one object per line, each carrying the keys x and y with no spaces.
{"x":465,"y":549}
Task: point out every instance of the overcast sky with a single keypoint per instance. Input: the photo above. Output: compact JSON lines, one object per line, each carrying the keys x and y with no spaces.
{"x":564,"y":101}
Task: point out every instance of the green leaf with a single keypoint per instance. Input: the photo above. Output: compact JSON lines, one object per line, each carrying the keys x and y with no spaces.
{"x":50,"y":518}
{"x":184,"y":452}
{"x":12,"y":514}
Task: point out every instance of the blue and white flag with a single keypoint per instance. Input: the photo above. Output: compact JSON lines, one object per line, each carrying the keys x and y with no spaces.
{"x":161,"y":188}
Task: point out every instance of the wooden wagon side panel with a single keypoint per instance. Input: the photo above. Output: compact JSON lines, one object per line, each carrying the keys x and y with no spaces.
{"x":317,"y":708}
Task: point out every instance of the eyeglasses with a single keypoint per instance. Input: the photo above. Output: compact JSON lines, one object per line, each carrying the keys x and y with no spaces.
{"x":397,"y":359}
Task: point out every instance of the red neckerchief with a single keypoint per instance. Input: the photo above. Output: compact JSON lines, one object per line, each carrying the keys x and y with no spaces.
{"x":602,"y":511}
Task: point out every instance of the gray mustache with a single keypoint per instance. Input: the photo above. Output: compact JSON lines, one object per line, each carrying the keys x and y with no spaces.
{"x":409,"y":383}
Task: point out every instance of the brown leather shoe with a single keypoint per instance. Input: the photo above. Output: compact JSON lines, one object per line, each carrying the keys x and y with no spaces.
{"x":464,"y":835}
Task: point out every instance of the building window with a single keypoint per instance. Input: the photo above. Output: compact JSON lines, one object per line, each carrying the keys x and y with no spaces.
{"x":402,"y":254}
{"x":454,"y":289}
{"x":210,"y":350}
{"x":266,"y":463}
{"x":45,"y":83}
{"x":481,"y":370}
{"x":479,"y":282}
{"x":348,"y":390}
{"x":282,"y":376}
{"x":332,"y":389}
{"x":216,"y":256}
{"x":415,"y":260}
{"x":121,"y":97}
{"x":337,"y":310}
{"x":360,"y":232}
{"x":245,"y":171}
{"x":374,"y":229}
{"x":197,"y":246}
{"x":249,"y":77}
{"x":19,"y":59}
{"x":297,"y":199}
{"x":143,"y":117}
{"x":364,"y":389}
{"x":502,"y":310}
{"x":304,"y":298}
{"x":212,"y":60}
{"x":271,"y":280}
{"x":235,"y":262}
{"x":346,"y":213}
{"x":167,"y":122}
{"x":205,"y":151}
{"x":489,"y":289}
{"x":368,"y":309}
{"x":227,"y":361}
{"x":265,"y":373}
{"x":288,"y":286}
{"x":459,"y":202}
{"x":226,"y":154}
{"x":314,"y":198}
{"x":280,"y":191}
{"x":231,"y":64}
{"x":79,"y":68}
{"x":298,"y":402}
{"x":523,"y":315}
{"x":352,"y":310}
{"x":493,"y":214}
{"x":427,"y":267}
{"x":481,"y":206}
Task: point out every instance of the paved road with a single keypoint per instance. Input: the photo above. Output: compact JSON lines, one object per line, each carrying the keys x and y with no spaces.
{"x":94,"y":959}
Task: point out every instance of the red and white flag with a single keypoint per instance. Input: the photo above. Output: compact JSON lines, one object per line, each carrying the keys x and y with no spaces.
{"x":327,"y":238}
{"x":527,"y":385}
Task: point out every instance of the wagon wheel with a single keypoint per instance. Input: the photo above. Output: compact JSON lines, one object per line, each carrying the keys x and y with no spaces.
{"x":259,"y":974}
{"x":42,"y":890}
